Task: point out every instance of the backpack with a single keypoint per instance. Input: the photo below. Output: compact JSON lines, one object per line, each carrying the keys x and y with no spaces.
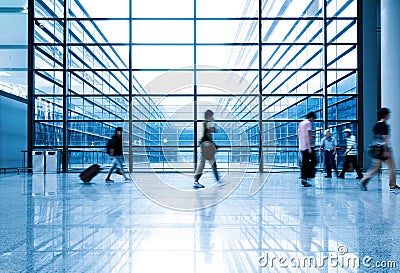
{"x":109,"y":146}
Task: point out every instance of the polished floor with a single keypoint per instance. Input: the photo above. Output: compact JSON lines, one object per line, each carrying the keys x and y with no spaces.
{"x":55,"y":223}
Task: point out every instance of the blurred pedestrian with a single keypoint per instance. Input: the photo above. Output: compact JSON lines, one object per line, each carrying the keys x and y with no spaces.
{"x":382,"y":135}
{"x":350,"y":155}
{"x":115,"y":151}
{"x":328,"y":145}
{"x":207,"y":148}
{"x":308,"y":158}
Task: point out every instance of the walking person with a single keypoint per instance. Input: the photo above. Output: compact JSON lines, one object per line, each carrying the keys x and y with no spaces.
{"x":207,"y":148}
{"x":382,"y":135}
{"x":350,"y":155}
{"x":308,"y":160}
{"x":115,"y":151}
{"x":328,"y":145}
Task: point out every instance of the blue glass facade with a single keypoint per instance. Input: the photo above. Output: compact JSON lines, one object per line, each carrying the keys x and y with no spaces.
{"x":256,"y":64}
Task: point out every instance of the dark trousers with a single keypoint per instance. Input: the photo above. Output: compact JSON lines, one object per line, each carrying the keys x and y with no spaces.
{"x":308,"y":162}
{"x":330,"y":163}
{"x":351,"y":159}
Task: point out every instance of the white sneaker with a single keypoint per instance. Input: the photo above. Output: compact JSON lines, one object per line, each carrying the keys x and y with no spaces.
{"x":197,"y":185}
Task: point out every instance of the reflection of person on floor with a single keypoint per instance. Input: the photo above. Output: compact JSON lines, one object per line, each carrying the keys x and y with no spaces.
{"x":207,"y":148}
{"x":382,"y":135}
{"x":117,"y":155}
{"x":350,"y":155}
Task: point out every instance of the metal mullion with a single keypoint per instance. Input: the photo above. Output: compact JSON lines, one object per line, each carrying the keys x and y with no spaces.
{"x":48,"y":56}
{"x":84,"y":69}
{"x":60,"y":85}
{"x":98,"y":19}
{"x":31,"y":99}
{"x":260,"y":89}
{"x":98,"y":60}
{"x":342,"y":44}
{"x":91,"y":37}
{"x":161,"y":19}
{"x":293,"y":58}
{"x":293,"y":69}
{"x":199,"y":44}
{"x":343,"y":100}
{"x":291,"y":44}
{"x":336,"y":18}
{"x":293,"y":95}
{"x":342,"y":69}
{"x":277,"y":18}
{"x":130,"y":134}
{"x":353,"y":71}
{"x":65,"y":89}
{"x":297,"y":37}
{"x":99,"y":70}
{"x":195,"y":155}
{"x":94,"y":87}
{"x":98,"y":44}
{"x":70,"y":90}
{"x":339,"y":57}
{"x":325,"y":65}
{"x":344,"y":30}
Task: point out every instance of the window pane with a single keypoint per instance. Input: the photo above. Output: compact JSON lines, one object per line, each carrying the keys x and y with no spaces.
{"x":163,"y":31}
{"x":158,"y":8}
{"x":219,"y":31}
{"x":226,"y":8}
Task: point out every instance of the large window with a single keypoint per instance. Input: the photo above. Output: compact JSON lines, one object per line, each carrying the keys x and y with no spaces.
{"x":13,"y":47}
{"x":154,"y":67}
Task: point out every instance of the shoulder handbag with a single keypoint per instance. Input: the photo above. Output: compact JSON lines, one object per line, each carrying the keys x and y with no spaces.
{"x":376,"y":150}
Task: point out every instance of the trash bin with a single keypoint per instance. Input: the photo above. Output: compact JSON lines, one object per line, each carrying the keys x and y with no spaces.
{"x":38,"y":162}
{"x":51,"y":161}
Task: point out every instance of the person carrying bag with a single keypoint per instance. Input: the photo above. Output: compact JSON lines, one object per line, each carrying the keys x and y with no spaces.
{"x":381,"y":152}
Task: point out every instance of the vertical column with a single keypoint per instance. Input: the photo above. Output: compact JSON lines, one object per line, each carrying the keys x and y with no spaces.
{"x":195,"y":85}
{"x":260,"y":98}
{"x":65,"y":88}
{"x":390,"y":75}
{"x":325,"y":64}
{"x":368,"y":89}
{"x":31,"y":80}
{"x":130,"y":151}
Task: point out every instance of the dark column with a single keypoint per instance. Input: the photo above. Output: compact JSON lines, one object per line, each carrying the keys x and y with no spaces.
{"x":31,"y":81}
{"x":368,"y":75}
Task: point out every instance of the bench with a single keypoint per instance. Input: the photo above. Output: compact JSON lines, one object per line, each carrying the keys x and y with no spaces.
{"x":13,"y":169}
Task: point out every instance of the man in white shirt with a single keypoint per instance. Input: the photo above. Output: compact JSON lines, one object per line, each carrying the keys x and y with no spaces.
{"x":350,"y":155}
{"x":308,"y":160}
{"x":328,"y":144}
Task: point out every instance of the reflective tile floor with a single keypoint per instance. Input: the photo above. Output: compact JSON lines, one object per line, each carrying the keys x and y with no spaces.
{"x":158,"y":223}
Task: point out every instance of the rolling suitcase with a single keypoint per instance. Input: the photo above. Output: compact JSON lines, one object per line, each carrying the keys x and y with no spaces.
{"x":89,"y":173}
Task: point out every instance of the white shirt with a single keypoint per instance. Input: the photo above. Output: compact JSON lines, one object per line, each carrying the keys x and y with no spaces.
{"x":304,"y":135}
{"x":351,"y":143}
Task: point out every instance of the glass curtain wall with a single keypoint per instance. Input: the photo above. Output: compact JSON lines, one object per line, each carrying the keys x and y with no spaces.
{"x":13,"y":48}
{"x":155,"y":67}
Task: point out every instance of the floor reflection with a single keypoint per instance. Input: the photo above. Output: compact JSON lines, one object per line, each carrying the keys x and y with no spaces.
{"x":55,"y":223}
